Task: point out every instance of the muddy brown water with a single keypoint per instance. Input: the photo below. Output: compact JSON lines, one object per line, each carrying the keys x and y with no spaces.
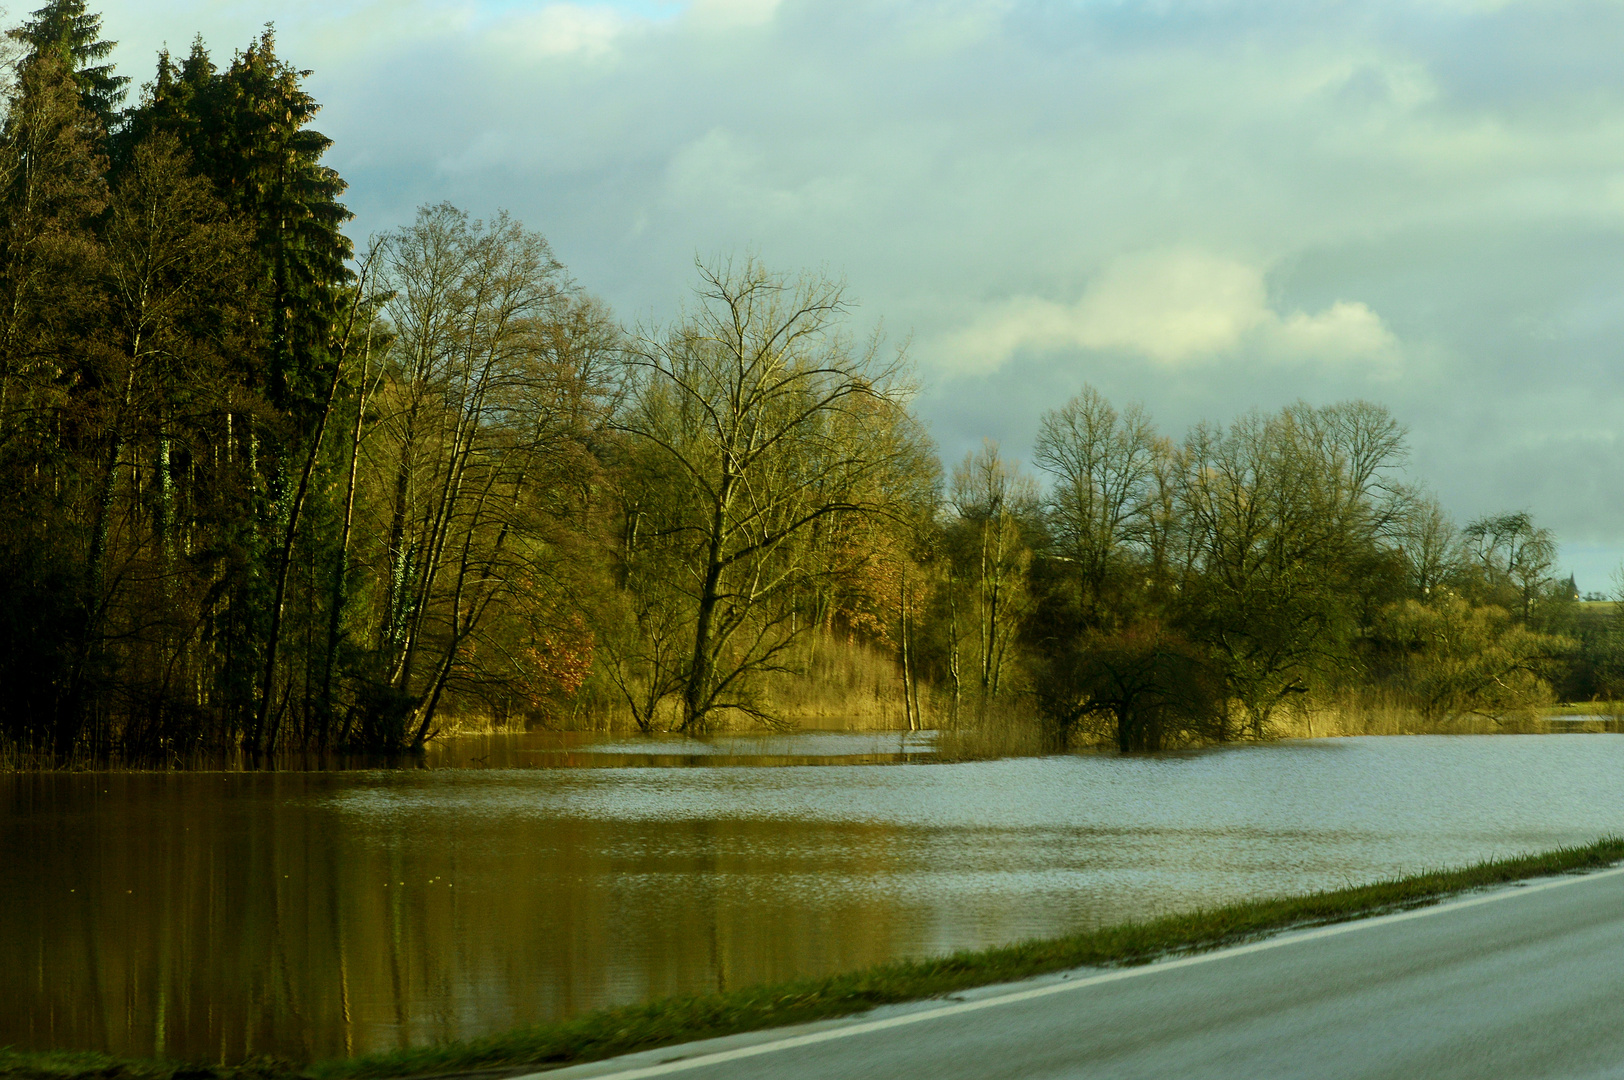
{"x":313,"y":914}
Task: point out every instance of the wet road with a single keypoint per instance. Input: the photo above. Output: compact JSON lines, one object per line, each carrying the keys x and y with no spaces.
{"x":1526,"y":981}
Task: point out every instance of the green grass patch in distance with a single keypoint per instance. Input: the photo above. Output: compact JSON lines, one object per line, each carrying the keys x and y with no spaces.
{"x":629,"y":1028}
{"x":1585,"y":708}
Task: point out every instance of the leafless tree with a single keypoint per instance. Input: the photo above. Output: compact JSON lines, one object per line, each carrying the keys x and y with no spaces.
{"x":760,"y":419}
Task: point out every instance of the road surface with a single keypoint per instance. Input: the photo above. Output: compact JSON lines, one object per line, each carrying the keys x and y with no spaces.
{"x":1526,"y":981}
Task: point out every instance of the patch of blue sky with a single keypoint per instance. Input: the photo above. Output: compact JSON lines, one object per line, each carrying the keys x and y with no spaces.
{"x":1596,"y":568}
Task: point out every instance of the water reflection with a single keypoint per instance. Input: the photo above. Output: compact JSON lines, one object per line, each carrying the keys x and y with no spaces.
{"x":316,"y":914}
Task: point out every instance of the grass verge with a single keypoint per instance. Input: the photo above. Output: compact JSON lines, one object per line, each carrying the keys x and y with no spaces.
{"x":682,"y":1019}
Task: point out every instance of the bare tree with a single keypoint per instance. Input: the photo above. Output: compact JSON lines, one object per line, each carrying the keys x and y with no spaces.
{"x":759,"y":418}
{"x":1104,"y":499}
{"x":1513,"y":557}
{"x":493,"y":380}
{"x":360,"y":316}
{"x":994,"y":502}
{"x":1430,"y":544}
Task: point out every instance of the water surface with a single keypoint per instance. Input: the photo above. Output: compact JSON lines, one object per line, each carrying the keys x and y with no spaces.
{"x":314,"y":914}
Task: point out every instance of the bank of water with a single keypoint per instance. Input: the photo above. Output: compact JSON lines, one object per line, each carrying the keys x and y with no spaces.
{"x":317,"y":914}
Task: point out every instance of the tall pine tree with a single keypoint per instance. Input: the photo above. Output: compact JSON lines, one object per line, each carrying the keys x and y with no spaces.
{"x":54,"y":393}
{"x":247,"y":129}
{"x":74,"y":34}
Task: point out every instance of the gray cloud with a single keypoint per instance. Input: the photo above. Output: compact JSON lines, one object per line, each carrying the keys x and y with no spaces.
{"x":1204,"y":207}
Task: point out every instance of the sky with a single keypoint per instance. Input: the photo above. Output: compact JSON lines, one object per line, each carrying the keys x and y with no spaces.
{"x":1204,"y":207}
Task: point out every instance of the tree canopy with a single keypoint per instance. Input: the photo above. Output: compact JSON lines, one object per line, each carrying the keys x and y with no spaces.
{"x":259,"y":490}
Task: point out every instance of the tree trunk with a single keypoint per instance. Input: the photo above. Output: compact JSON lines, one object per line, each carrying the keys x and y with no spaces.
{"x":341,"y":564}
{"x":71,"y":723}
{"x":285,"y":562}
{"x":953,"y":647}
{"x":902,"y":637}
{"x":696,"y":695}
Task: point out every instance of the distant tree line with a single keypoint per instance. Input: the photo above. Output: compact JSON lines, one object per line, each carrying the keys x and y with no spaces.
{"x":1162,"y":593}
{"x":261,"y":490}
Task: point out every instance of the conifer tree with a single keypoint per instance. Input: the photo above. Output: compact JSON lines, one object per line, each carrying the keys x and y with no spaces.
{"x":53,"y":387}
{"x":74,"y":34}
{"x":246,"y":128}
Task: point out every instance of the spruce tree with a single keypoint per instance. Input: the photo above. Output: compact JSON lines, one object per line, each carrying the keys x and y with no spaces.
{"x":74,"y":34}
{"x":246,"y":128}
{"x":54,"y":394}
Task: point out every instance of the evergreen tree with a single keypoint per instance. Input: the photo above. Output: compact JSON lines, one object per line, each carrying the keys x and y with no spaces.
{"x":53,"y":186}
{"x":74,"y":34}
{"x":246,"y":128}
{"x":54,"y":393}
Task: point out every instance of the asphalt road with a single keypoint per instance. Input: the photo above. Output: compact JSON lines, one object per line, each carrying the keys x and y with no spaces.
{"x":1523,"y":982}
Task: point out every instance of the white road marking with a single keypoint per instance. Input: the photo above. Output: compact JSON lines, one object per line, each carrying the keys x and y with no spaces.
{"x":864,"y":1028}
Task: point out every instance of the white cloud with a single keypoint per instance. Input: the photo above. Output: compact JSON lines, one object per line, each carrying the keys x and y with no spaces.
{"x":945,"y":28}
{"x":715,"y":163}
{"x":1347,"y":330}
{"x":1319,"y":196}
{"x":562,"y":30}
{"x":728,"y":13}
{"x":1171,"y":307}
{"x":1176,"y":308}
{"x":722,"y":174}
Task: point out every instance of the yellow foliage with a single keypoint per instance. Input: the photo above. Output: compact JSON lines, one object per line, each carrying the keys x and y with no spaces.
{"x":1458,"y":659}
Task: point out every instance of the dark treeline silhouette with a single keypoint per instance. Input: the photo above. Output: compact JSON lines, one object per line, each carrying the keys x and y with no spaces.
{"x":263,"y":491}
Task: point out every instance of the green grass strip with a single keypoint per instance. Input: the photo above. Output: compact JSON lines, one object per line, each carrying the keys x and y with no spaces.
{"x":1599,"y":709}
{"x":622,"y":1030}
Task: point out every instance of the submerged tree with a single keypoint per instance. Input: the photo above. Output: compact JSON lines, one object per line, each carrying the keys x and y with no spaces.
{"x":763,"y":421}
{"x":55,"y":390}
{"x":246,"y":129}
{"x":994,"y":505}
{"x":180,"y":303}
{"x":494,"y":384}
{"x":1102,"y":507}
{"x":1280,"y":513}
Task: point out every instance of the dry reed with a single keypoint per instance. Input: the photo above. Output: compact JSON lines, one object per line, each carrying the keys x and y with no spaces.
{"x":833,"y":685}
{"x":978,"y":730}
{"x":1378,"y":712}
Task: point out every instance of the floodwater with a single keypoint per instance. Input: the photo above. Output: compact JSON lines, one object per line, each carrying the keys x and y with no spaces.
{"x":218,"y":916}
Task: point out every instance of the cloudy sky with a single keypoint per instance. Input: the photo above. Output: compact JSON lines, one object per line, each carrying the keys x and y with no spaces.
{"x":1203,"y":206}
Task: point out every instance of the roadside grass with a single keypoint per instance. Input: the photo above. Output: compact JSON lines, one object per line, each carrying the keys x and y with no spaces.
{"x":622,"y":1030}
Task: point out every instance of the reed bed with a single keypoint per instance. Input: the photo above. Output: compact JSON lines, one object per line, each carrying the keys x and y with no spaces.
{"x":1381,"y":713}
{"x":983,"y":730}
